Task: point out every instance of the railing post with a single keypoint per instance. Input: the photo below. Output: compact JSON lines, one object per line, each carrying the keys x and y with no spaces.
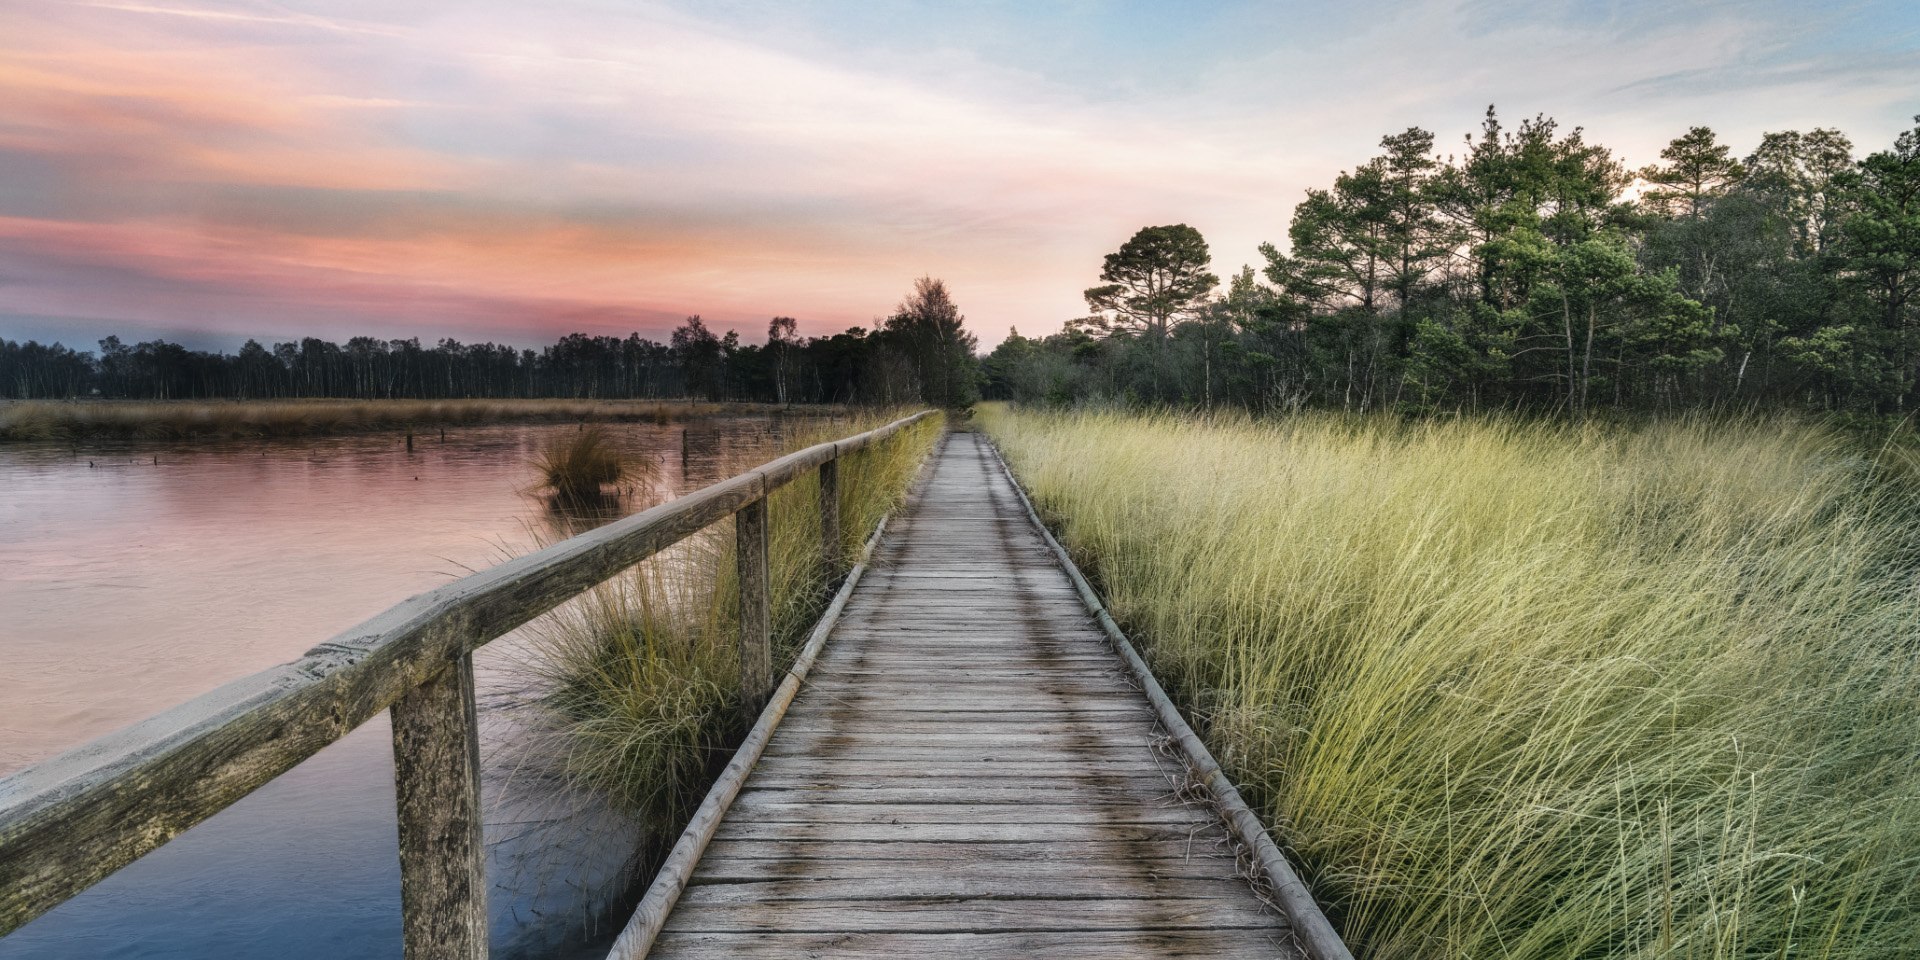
{"x":443,"y":870}
{"x":830,"y":514}
{"x":756,"y":606}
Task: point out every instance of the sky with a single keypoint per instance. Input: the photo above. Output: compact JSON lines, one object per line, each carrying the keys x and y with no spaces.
{"x":512,"y":171}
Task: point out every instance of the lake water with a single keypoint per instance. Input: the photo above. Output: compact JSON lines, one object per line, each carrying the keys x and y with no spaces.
{"x":136,"y":576}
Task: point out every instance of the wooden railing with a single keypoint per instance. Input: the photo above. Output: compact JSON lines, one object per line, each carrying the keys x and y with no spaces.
{"x":68,"y":823}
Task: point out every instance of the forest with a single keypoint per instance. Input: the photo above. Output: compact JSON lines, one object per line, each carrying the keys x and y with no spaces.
{"x":1530,"y":269}
{"x":920,"y":352}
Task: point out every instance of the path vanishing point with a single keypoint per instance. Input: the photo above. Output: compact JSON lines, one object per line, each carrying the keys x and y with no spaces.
{"x":969,"y":770}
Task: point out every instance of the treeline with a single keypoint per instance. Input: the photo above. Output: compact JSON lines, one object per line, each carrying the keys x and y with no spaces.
{"x":921,"y":352}
{"x":1533,"y":269}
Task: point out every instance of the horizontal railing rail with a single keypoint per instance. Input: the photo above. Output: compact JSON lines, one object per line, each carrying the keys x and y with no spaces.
{"x":75,"y":819}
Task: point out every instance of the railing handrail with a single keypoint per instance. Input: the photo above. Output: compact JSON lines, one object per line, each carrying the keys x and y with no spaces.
{"x":72,"y":820}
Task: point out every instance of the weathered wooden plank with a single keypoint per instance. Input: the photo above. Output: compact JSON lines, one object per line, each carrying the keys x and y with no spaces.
{"x":891,"y":776}
{"x":882,"y":710}
{"x":981,"y":851}
{"x":945,"y":916}
{"x":1091,"y":770}
{"x":961,"y":681}
{"x":863,"y":789}
{"x":909,"y":644}
{"x":443,"y":860}
{"x":888,"y":885}
{"x":963,"y":750}
{"x":1078,"y":739}
{"x":993,"y":832}
{"x":764,"y":810}
{"x":962,"y":696}
{"x":982,"y":668}
{"x":752,"y":874}
{"x":860,"y":721}
{"x":830,"y":516}
{"x":1075,"y":945}
{"x":852,"y":776}
{"x":756,"y":603}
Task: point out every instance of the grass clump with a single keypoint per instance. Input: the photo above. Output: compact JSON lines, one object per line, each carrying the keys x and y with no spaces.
{"x":640,"y":678}
{"x":1530,"y":690}
{"x":586,"y":467}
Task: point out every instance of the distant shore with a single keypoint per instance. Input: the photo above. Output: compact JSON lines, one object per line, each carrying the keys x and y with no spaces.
{"x":29,"y":420}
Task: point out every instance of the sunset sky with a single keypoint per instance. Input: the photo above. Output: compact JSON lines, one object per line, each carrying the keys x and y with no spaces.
{"x":511,"y":171}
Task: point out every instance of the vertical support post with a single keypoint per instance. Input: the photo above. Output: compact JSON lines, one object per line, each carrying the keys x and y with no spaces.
{"x":756,"y":603}
{"x":830,"y":515}
{"x":443,"y":870}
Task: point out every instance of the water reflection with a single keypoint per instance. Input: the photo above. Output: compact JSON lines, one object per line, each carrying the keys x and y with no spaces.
{"x":134,"y":576}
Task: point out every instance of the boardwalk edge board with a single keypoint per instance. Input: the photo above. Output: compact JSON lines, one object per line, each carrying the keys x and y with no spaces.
{"x":1309,"y":923}
{"x":636,"y":939}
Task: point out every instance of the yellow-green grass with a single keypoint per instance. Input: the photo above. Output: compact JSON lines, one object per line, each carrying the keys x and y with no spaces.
{"x":640,"y":678}
{"x":241,"y":419}
{"x":1516,"y":689}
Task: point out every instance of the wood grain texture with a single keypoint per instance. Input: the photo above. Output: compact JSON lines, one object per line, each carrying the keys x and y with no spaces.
{"x":830,"y":516}
{"x":756,"y":603}
{"x":71,"y":821}
{"x":968,"y":771}
{"x":443,"y":860}
{"x":1051,"y":945}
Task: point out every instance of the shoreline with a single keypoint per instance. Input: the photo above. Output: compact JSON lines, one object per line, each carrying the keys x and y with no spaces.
{"x":25,"y":421}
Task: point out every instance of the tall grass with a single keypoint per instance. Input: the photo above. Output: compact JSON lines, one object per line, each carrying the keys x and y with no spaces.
{"x":640,"y":678}
{"x":1523,"y":690}
{"x":242,"y":419}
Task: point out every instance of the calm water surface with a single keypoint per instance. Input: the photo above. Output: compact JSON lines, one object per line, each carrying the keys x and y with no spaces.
{"x":128,"y":586}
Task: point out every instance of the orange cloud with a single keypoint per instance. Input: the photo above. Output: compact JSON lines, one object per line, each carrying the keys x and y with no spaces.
{"x":171,"y":113}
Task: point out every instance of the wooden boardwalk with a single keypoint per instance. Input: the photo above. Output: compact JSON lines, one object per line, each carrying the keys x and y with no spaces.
{"x":968,"y":771}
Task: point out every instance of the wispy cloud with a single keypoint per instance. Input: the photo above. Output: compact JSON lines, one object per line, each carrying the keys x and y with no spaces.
{"x":510,"y":168}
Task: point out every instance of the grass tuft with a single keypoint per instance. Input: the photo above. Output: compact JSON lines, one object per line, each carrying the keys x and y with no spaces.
{"x":586,"y":467}
{"x":1531,"y":690}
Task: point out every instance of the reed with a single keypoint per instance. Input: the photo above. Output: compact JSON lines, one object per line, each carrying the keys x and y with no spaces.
{"x":1531,"y":690}
{"x":247,"y":419}
{"x":639,"y":679}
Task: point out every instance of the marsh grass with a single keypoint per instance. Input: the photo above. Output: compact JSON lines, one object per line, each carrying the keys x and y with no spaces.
{"x":638,"y":679}
{"x":586,"y":469}
{"x":245,"y":419}
{"x":1525,"y":690}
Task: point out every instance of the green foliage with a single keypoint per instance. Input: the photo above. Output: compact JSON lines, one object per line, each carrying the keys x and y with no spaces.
{"x":932,"y":331}
{"x":1699,"y":169}
{"x":1533,"y":270}
{"x":1157,"y":276}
